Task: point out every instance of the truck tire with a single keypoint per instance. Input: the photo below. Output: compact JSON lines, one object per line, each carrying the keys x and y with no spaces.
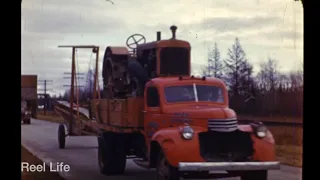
{"x":254,"y":175}
{"x":164,"y":170}
{"x":111,"y":154}
{"x":61,"y":136}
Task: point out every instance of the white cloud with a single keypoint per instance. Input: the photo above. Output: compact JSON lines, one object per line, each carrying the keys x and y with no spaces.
{"x":265,"y":28}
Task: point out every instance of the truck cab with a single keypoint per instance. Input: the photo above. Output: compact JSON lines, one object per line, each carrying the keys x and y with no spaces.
{"x":186,"y":100}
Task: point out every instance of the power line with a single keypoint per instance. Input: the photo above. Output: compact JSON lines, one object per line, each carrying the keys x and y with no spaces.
{"x":45,"y":85}
{"x":66,"y":85}
{"x":79,"y":76}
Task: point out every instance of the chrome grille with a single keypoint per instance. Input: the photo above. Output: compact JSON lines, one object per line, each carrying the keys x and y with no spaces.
{"x":222,"y":125}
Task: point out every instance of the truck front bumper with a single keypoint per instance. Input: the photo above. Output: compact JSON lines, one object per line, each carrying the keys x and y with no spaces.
{"x":228,"y":166}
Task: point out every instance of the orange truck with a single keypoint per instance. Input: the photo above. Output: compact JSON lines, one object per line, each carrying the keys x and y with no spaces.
{"x":154,"y":111}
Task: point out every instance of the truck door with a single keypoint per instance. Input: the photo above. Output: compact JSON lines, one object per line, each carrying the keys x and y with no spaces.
{"x":152,"y":112}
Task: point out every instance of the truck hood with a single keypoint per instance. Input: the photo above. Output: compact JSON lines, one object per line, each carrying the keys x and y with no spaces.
{"x":199,"y":112}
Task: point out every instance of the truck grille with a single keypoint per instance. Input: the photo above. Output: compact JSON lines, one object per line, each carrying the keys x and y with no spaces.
{"x":222,"y":125}
{"x":226,"y":146}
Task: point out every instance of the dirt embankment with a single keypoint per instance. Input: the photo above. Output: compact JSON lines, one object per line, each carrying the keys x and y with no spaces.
{"x":26,"y":156}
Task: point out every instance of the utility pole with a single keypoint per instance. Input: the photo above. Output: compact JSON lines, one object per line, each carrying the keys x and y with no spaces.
{"x":45,"y":90}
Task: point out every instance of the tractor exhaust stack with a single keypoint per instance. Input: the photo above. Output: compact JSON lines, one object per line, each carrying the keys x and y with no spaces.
{"x":173,"y":30}
{"x":158,"y":36}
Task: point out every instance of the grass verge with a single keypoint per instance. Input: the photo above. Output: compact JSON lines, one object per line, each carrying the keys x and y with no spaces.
{"x":288,"y":147}
{"x":271,"y":118}
{"x":290,"y":155}
{"x":26,"y":156}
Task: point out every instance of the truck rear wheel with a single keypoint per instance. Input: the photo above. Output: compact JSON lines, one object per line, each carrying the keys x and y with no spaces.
{"x":61,"y":136}
{"x":254,"y":175}
{"x":164,"y":170}
{"x":111,"y":154}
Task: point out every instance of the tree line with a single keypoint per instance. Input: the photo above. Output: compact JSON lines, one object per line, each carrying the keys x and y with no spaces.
{"x":268,"y":93}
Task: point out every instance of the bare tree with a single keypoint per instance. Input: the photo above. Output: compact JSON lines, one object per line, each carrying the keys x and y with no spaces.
{"x":284,"y":81}
{"x":89,"y":83}
{"x":269,"y":75}
{"x":215,"y":66}
{"x":246,"y":79}
{"x":291,"y":81}
{"x":296,"y":79}
{"x":66,"y":95}
{"x":204,"y":71}
{"x":60,"y":97}
{"x":238,"y":69}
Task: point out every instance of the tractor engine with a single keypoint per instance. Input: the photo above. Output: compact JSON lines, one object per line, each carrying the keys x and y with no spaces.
{"x":126,"y":73}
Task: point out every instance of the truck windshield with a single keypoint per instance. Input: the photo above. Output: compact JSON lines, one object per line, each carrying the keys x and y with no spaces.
{"x":196,"y":93}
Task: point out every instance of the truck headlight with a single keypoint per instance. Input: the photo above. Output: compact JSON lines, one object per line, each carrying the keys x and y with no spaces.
{"x":187,"y":132}
{"x":260,"y":129}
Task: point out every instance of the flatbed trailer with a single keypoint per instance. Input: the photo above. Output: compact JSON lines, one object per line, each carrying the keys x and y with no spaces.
{"x":154,"y":111}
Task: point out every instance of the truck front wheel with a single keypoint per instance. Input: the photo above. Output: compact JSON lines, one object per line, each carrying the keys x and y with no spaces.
{"x":111,"y":154}
{"x":254,"y":175}
{"x":164,"y":170}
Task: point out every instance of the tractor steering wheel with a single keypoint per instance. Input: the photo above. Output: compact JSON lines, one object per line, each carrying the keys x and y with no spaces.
{"x":132,"y":41}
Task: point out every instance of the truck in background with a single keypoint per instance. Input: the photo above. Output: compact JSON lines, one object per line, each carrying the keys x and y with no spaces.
{"x":29,"y":84}
{"x":25,"y":112}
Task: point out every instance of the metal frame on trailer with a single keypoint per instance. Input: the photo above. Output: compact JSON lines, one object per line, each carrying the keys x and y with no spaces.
{"x":69,"y":117}
{"x":78,"y":120}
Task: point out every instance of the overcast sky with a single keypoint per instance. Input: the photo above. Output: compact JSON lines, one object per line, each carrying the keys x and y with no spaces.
{"x":265,"y":28}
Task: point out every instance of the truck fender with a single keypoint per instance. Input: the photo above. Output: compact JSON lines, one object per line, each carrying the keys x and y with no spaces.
{"x":166,"y":139}
{"x":264,"y":148}
{"x":247,"y":128}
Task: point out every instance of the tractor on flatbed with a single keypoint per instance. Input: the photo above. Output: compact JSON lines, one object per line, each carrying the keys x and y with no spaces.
{"x":153,"y":110}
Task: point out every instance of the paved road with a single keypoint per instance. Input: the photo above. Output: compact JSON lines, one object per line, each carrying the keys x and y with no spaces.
{"x":81,"y":154}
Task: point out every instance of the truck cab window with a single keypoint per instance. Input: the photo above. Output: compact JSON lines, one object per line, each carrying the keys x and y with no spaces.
{"x":153,"y":97}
